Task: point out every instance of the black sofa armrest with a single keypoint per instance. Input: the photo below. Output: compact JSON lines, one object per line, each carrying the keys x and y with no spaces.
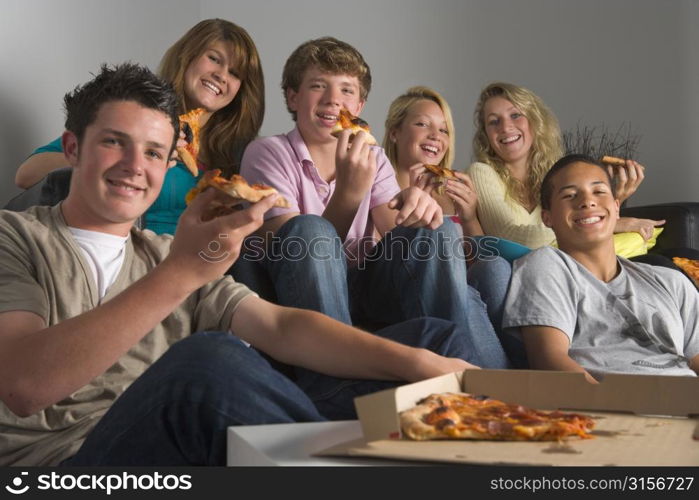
{"x":48,"y":191}
{"x":56,"y":186}
{"x":27,"y":198}
{"x":681,"y":223}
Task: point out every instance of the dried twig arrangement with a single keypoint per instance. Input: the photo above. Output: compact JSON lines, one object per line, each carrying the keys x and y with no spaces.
{"x":599,"y":141}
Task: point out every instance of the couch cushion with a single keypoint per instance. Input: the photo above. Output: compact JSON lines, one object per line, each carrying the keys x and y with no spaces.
{"x":681,"y":226}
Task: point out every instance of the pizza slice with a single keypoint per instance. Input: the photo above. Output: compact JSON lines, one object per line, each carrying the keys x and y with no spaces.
{"x":614,"y":161}
{"x":231,"y":193}
{"x":191,"y":127}
{"x":464,"y":416}
{"x":347,"y":120}
{"x":689,"y":266}
{"x":442,"y":174}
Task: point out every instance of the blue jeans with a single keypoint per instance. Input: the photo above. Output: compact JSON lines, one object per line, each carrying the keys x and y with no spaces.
{"x":412,"y":273}
{"x":248,"y":269}
{"x":178,"y":411}
{"x":491,"y":277}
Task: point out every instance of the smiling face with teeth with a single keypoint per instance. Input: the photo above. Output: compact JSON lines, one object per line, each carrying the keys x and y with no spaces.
{"x":211,"y":80}
{"x":583,"y":210}
{"x":508,"y":132}
{"x":422,"y":136}
{"x":118,"y":167}
{"x":318,"y":102}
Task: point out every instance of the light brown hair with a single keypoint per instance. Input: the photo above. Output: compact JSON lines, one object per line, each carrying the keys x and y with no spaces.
{"x":329,"y":55}
{"x":229,"y":130}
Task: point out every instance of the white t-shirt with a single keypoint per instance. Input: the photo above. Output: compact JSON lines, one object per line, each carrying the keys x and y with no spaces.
{"x":104,"y":253}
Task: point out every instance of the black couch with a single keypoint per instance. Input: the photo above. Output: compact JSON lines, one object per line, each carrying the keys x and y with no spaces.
{"x":49,"y":191}
{"x":681,"y":226}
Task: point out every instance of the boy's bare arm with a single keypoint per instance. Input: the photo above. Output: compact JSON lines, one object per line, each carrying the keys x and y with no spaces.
{"x":355,"y":173}
{"x":547,"y":349}
{"x":312,"y":340}
{"x":40,"y":366}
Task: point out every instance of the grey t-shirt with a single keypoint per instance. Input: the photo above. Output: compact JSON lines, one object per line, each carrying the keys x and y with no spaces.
{"x":643,"y":321}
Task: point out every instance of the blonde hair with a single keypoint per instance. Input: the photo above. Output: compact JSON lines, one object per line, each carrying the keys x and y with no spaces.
{"x":229,"y":130}
{"x":397,"y":112}
{"x":329,"y":55}
{"x":546,"y":148}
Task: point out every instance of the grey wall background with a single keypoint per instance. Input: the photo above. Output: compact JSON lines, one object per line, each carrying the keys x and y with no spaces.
{"x":610,"y":62}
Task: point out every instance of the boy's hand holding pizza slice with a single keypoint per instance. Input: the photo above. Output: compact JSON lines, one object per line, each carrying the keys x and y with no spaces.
{"x":347,"y":120}
{"x":231,"y":193}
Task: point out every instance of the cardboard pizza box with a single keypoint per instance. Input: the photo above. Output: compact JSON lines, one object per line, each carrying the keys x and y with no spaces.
{"x":640,"y":419}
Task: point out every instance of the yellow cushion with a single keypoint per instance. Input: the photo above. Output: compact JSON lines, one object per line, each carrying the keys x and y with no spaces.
{"x":631,"y":244}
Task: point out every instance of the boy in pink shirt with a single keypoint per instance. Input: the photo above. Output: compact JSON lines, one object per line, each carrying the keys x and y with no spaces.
{"x":353,"y":245}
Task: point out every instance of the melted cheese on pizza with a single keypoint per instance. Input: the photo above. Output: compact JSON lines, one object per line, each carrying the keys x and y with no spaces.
{"x":463,"y":416}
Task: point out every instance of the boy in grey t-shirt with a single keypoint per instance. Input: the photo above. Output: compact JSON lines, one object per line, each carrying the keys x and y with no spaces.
{"x":580,"y":307}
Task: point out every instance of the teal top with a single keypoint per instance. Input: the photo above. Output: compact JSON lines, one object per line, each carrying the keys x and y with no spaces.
{"x":492,"y":245}
{"x":163,"y":214}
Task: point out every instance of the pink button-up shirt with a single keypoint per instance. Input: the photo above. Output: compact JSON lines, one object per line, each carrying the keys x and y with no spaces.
{"x":283,"y":161}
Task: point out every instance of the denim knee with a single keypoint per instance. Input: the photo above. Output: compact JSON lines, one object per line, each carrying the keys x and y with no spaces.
{"x":426,"y":332}
{"x":444,"y":242}
{"x":205,"y":344}
{"x":448,"y":230}
{"x":219,"y":369}
{"x":438,"y":335}
{"x":307,"y":226}
{"x":219,"y":355}
{"x":493,"y":269}
{"x":307,"y":236}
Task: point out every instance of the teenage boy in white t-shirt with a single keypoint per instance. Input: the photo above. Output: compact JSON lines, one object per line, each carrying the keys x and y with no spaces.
{"x":99,"y":366}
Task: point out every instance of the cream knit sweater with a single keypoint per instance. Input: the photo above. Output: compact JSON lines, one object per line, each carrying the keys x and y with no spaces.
{"x":502,"y":216}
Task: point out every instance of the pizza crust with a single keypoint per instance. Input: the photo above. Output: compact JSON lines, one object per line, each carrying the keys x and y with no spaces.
{"x":613,"y":160}
{"x":689,"y":266}
{"x":232,"y":193}
{"x":189,"y":161}
{"x":442,"y":174}
{"x":190,"y":125}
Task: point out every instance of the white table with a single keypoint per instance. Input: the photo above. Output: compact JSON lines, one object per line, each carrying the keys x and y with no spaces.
{"x":294,"y":444}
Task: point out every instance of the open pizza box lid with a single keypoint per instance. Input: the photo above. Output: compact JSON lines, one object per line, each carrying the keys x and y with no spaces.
{"x":640,"y":419}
